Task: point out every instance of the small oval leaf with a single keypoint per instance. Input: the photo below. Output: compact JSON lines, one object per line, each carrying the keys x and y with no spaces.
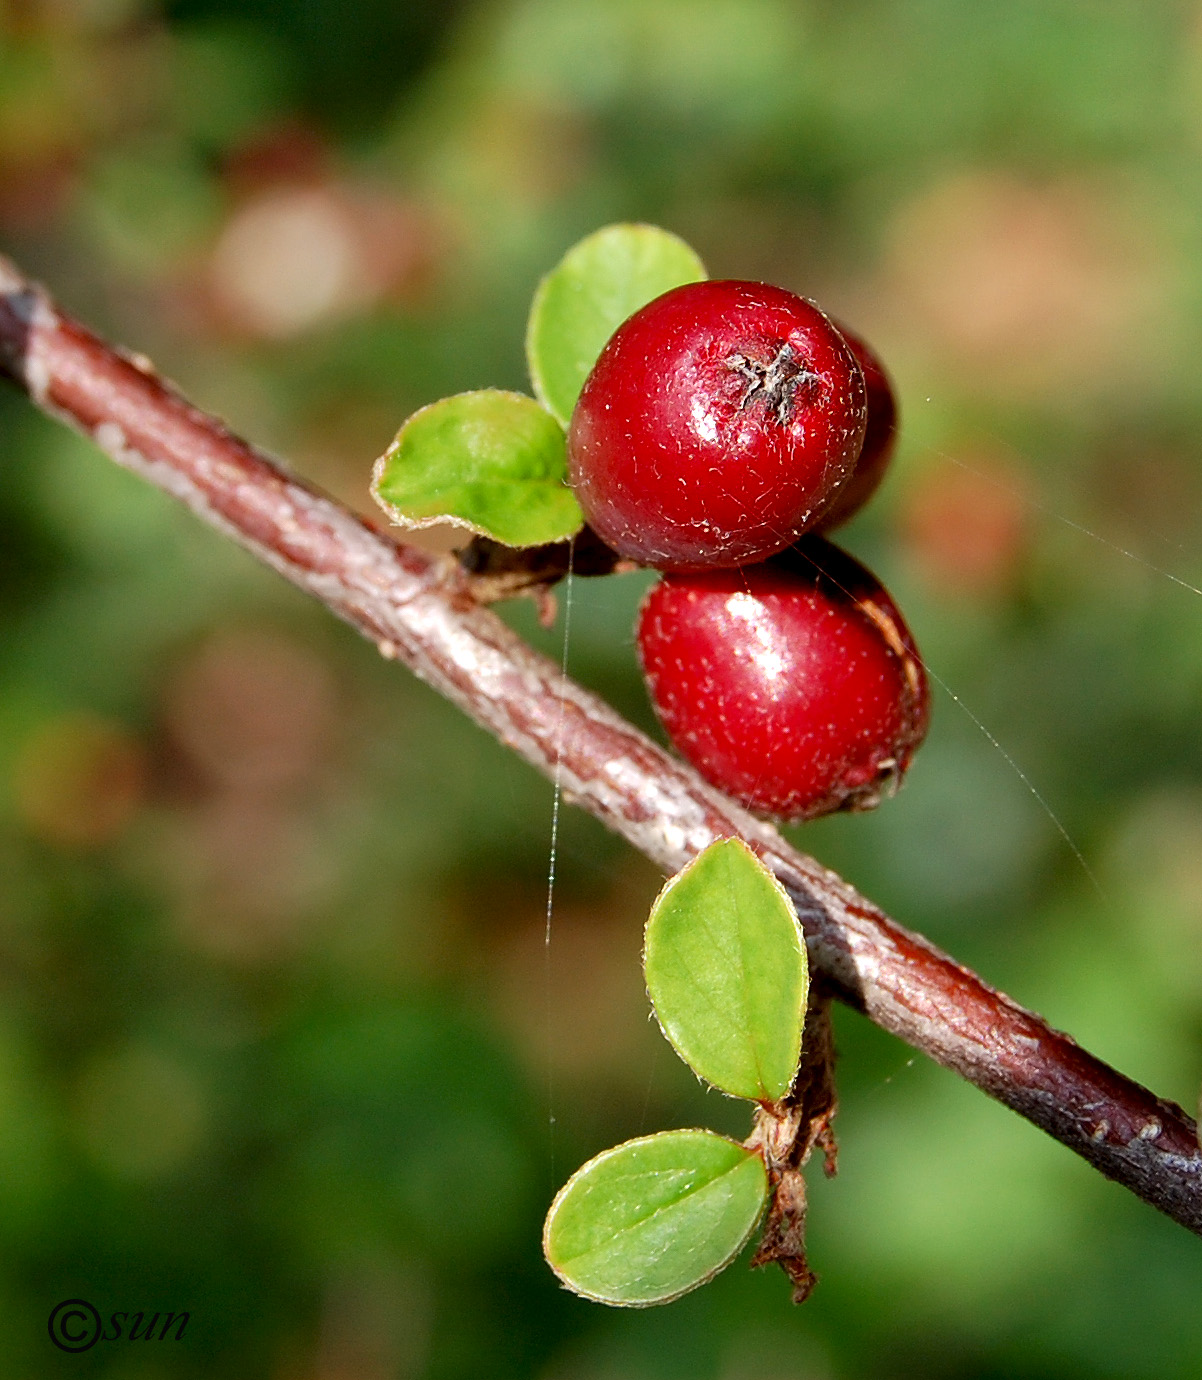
{"x":653,"y":1218}
{"x":596,"y":285}
{"x":492,"y":462}
{"x":727,"y":972}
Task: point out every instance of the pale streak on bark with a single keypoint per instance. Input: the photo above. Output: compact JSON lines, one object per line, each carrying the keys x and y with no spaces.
{"x":420,"y":611}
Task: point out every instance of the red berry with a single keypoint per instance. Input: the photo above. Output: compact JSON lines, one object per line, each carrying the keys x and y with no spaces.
{"x":716,"y":426}
{"x":879,"y":437}
{"x":794,"y":685}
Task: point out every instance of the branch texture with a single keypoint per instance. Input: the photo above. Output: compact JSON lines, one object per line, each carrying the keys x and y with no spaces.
{"x":420,"y":610}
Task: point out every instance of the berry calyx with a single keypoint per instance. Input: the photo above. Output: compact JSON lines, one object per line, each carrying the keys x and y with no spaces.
{"x":880,"y":434}
{"x":716,"y":426}
{"x":794,"y":685}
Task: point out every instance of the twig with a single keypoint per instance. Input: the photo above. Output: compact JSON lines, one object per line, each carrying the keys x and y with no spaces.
{"x":421,"y":611}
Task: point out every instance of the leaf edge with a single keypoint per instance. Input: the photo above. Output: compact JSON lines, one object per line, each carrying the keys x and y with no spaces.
{"x":806,"y":982}
{"x":753,"y":1154}
{"x":408,"y":524}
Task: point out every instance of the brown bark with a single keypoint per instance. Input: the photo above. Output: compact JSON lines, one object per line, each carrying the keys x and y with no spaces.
{"x":422,"y":611}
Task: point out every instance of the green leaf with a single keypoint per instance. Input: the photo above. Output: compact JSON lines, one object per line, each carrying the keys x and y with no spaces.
{"x":653,"y":1218}
{"x":727,"y":974}
{"x":492,"y":462}
{"x":586,"y":297}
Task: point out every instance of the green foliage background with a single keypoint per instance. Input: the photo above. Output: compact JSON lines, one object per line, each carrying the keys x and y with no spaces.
{"x":280,"y":1042}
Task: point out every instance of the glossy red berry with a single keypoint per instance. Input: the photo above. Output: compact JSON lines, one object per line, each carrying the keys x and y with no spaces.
{"x":793,"y":685}
{"x":716,"y":426}
{"x":879,"y":437}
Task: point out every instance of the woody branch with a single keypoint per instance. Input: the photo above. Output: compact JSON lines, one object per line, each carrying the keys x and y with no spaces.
{"x":422,"y":611}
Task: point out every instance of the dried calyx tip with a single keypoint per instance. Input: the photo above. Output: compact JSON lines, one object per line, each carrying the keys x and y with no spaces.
{"x":776,"y":381}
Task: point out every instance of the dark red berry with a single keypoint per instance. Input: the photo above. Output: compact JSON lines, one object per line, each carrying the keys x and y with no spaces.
{"x":793,"y":685}
{"x":879,"y":437}
{"x":716,"y":426}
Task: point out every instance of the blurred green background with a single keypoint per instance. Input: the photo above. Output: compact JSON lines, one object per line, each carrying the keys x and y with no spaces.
{"x":280,"y":1042}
